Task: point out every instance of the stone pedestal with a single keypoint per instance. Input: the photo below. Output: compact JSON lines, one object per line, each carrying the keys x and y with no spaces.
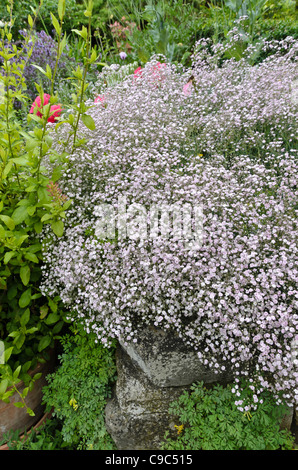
{"x":151,"y":374}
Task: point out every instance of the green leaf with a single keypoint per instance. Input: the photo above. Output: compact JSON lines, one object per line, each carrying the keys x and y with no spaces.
{"x":25,"y":392}
{"x":58,"y":227}
{"x":88,"y":121}
{"x":31,"y":330}
{"x":2,"y":232}
{"x":31,"y":257}
{"x":17,"y":372}
{"x":44,"y":343}
{"x":56,"y":24}
{"x":3,"y":386}
{"x":25,"y":274}
{"x":20,"y":340}
{"x":52,"y":318}
{"x":38,"y":227}
{"x":40,"y":69}
{"x":25,"y":298}
{"x":8,"y":221}
{"x":30,"y":412}
{"x":61,"y":9}
{"x":25,"y":317}
{"x":30,"y":21}
{"x":46,"y":217}
{"x":19,"y":215}
{"x":31,"y":210}
{"x":43,"y":311}
{"x":19,"y":404}
{"x":7,"y":353}
{"x":8,"y":255}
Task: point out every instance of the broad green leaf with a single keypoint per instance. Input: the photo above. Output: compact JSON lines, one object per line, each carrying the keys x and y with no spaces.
{"x":25,"y":392}
{"x":30,"y":412}
{"x":19,"y":215}
{"x":58,"y":227}
{"x":61,"y":9}
{"x":56,"y":24}
{"x":20,"y":340}
{"x":25,"y":298}
{"x":25,"y":317}
{"x":88,"y":121}
{"x":17,"y":372}
{"x":8,"y":221}
{"x":43,"y":311}
{"x":25,"y":274}
{"x":3,"y":386}
{"x":8,"y":255}
{"x":7,"y":353}
{"x":38,"y":227}
{"x":19,"y":404}
{"x":32,"y":330}
{"x":31,"y":257}
{"x":31,"y":210}
{"x":44,"y":343}
{"x":52,"y":318}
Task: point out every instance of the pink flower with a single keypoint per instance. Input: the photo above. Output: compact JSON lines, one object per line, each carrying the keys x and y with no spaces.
{"x":187,"y":88}
{"x":100,"y":98}
{"x":55,"y":112}
{"x":37,"y":102}
{"x":138,"y":72}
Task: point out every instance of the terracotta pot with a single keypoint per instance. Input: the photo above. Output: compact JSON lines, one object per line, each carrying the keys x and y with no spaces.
{"x":36,"y":427}
{"x":13,"y":418}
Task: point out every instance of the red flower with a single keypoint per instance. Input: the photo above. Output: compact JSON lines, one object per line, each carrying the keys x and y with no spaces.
{"x":37,"y":102}
{"x":55,"y":110}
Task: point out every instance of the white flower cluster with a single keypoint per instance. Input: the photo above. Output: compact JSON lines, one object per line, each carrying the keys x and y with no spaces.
{"x":230,"y":145}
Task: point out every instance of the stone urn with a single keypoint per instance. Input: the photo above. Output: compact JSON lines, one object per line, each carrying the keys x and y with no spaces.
{"x":151,"y":374}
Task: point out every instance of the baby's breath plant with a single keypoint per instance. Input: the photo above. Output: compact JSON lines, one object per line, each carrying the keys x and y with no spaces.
{"x":222,"y":134}
{"x":30,"y":197}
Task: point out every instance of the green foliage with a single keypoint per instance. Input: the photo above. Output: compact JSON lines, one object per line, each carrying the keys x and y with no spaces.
{"x":30,"y":198}
{"x":208,"y":419}
{"x":78,"y":391}
{"x":46,"y":437}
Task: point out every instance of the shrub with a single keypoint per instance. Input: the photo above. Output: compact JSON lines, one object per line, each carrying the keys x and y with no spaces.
{"x":210,"y":420}
{"x":229,"y":145}
{"x":29,"y":198}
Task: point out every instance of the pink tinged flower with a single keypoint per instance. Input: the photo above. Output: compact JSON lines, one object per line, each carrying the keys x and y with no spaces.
{"x":187,"y":88}
{"x":55,"y":112}
{"x":138,"y":72}
{"x":99,"y":98}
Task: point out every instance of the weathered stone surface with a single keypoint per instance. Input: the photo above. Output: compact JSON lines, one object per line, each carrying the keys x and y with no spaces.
{"x":167,"y":361}
{"x":137,"y":416}
{"x":287,"y":420}
{"x":151,"y":374}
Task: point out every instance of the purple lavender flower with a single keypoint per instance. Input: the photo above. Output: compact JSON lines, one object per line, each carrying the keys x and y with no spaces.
{"x":123,"y":55}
